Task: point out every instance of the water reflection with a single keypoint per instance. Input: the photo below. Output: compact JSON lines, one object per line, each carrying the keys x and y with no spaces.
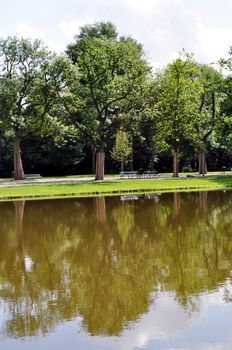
{"x":114,"y":262}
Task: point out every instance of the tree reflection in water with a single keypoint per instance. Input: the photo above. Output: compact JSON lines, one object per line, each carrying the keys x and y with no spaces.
{"x":104,"y":259}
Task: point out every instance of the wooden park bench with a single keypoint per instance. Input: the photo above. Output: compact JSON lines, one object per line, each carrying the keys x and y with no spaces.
{"x":139,"y":174}
{"x":129,"y":174}
{"x":32,"y":176}
{"x":150,"y":174}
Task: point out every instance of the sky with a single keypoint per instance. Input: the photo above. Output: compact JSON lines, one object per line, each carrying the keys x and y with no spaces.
{"x":164,"y":27}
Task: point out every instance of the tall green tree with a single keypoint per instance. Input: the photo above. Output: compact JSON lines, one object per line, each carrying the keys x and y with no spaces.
{"x":180,"y":89}
{"x":224,"y":129}
{"x":84,"y":120}
{"x":122,"y":148}
{"x":111,"y":70}
{"x":151,"y":121}
{"x":209,"y":115}
{"x":31,"y":82}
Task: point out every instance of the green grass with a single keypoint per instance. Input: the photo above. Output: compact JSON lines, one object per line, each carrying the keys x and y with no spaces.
{"x":33,"y":191}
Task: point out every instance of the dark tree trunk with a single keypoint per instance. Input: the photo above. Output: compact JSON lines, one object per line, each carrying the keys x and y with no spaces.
{"x":93,"y":159}
{"x":122,"y":166}
{"x":175,"y":163}
{"x":18,"y":165}
{"x":202,"y":163}
{"x":100,"y":163}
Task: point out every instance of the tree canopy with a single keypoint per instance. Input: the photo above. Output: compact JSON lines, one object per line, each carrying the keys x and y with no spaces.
{"x":80,"y":100}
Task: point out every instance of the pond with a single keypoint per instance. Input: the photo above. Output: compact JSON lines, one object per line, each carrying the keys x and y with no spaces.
{"x":121,"y":273}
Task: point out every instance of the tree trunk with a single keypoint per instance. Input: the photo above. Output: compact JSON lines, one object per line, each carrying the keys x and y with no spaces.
{"x":122,"y":166}
{"x":202,"y":163}
{"x":93,"y":159}
{"x":100,"y":163}
{"x":18,"y":165}
{"x":175,"y":163}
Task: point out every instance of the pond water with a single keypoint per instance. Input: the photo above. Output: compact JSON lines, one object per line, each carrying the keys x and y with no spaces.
{"x":120,"y":273}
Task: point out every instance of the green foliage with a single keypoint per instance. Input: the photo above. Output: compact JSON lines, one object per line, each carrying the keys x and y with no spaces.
{"x":208,"y":116}
{"x":180,"y":89}
{"x":224,"y":129}
{"x":111,"y":70}
{"x":55,"y":154}
{"x":21,"y":84}
{"x":98,"y":30}
{"x":32,"y":83}
{"x":122,"y":150}
{"x":104,"y":83}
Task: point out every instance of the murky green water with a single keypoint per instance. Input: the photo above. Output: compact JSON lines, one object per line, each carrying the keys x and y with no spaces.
{"x":117,"y":273}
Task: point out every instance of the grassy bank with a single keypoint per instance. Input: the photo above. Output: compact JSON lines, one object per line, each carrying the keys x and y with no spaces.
{"x":33,"y":191}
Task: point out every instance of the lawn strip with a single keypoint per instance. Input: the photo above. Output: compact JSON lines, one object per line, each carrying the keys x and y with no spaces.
{"x":43,"y":191}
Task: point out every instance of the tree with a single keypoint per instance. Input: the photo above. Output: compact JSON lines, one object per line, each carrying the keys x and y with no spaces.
{"x":84,"y":120}
{"x":180,"y":89}
{"x":151,"y":122}
{"x":111,"y":70}
{"x":92,"y":31}
{"x":122,"y":148}
{"x":31,"y":82}
{"x":208,"y":115}
{"x":21,"y":61}
{"x":224,"y":129}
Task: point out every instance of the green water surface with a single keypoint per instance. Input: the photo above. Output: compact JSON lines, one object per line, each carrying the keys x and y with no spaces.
{"x":121,"y":273}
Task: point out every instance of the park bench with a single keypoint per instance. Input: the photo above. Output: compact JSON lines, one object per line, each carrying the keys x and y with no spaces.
{"x":139,"y":174}
{"x":129,"y":174}
{"x":150,"y":174}
{"x":32,"y":176}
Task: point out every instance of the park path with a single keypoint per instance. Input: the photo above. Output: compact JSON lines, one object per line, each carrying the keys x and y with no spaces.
{"x":46,"y":181}
{"x":57,"y":180}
